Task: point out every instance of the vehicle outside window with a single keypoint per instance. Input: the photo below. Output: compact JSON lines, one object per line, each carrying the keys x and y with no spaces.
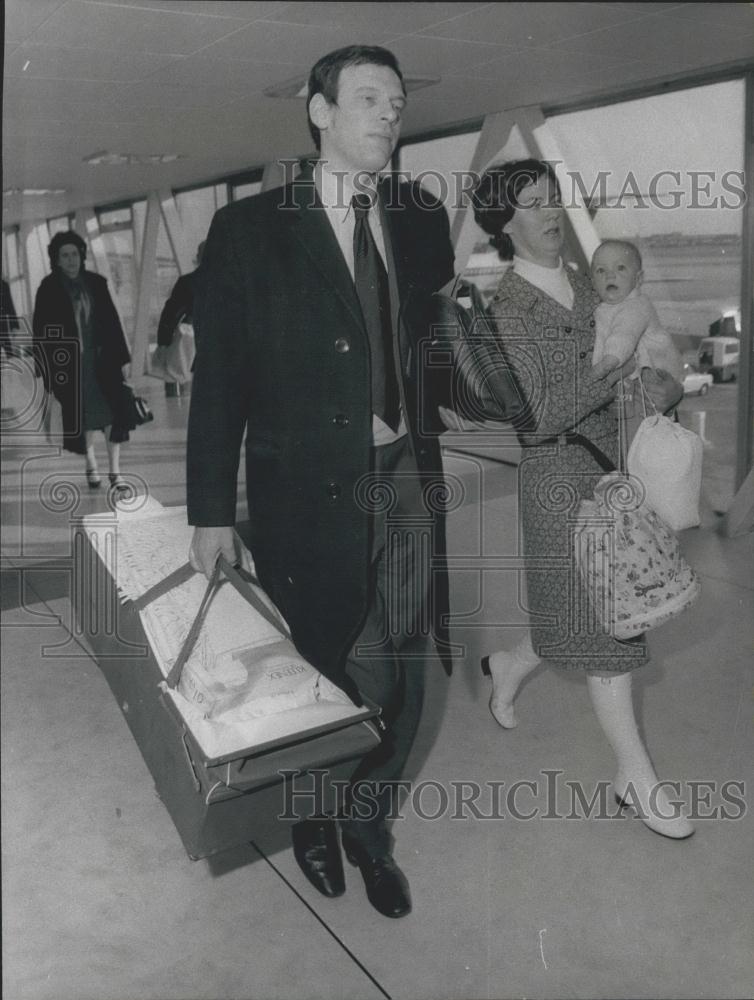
{"x":695,"y":382}
{"x":719,"y":356}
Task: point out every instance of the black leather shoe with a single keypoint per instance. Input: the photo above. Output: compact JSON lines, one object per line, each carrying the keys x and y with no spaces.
{"x":386,"y":885}
{"x":317,"y":851}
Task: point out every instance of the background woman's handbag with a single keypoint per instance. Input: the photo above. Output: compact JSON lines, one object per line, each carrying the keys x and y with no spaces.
{"x":135,"y":408}
{"x":667,"y":460}
{"x":628,"y":558}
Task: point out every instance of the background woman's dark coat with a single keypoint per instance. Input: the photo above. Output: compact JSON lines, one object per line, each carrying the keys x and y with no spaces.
{"x":58,"y":354}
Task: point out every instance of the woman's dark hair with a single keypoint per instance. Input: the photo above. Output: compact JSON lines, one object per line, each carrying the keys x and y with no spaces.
{"x":64,"y":239}
{"x":325,"y":74}
{"x":495,"y":198}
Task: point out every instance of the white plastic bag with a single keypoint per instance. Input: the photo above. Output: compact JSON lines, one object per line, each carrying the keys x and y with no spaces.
{"x":667,"y":460}
{"x":173,"y":363}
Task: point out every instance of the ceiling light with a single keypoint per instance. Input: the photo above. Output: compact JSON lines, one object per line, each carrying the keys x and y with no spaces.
{"x":31,"y":192}
{"x":298,"y":87}
{"x":104,"y":158}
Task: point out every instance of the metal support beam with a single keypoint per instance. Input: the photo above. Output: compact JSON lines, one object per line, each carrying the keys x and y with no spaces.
{"x":518,"y":133}
{"x":499,"y":139}
{"x":745,"y":435}
{"x":146,"y":276}
{"x":87,"y":224}
{"x":184,"y":255}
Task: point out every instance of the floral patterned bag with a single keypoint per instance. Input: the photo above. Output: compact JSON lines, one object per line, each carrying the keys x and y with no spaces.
{"x":629,"y":560}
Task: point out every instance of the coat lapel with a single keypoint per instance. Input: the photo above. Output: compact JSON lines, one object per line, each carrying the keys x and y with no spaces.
{"x":309,"y":224}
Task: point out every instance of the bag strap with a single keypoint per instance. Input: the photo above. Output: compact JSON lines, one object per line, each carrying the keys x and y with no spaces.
{"x":606,"y":464}
{"x":243,"y":581}
{"x":622,"y":428}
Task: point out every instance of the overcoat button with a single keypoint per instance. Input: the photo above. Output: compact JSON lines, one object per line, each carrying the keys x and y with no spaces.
{"x":333,"y":491}
{"x":582,"y":354}
{"x":569,"y":329}
{"x":342,"y":346}
{"x":591,"y":322}
{"x":340,"y":420}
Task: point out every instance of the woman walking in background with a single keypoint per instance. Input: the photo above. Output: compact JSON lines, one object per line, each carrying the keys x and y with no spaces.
{"x":80,"y":356}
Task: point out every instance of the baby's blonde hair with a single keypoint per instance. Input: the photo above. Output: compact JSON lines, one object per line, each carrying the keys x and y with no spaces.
{"x":633,"y":250}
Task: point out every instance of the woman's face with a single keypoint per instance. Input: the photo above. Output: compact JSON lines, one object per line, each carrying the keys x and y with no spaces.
{"x":536,"y":228}
{"x":69,"y":260}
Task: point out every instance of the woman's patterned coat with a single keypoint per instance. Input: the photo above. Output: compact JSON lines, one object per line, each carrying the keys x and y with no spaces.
{"x":549,"y":349}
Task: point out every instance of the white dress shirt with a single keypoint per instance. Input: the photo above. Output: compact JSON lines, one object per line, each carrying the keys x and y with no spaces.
{"x":336,"y":192}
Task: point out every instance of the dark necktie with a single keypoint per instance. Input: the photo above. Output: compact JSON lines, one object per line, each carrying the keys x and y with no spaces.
{"x":373,"y":291}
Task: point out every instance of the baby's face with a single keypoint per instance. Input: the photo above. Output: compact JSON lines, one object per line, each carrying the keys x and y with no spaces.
{"x":615,"y":272}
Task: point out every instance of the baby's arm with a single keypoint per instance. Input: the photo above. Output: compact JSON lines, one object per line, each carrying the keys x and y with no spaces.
{"x":630,"y":318}
{"x":657,"y":350}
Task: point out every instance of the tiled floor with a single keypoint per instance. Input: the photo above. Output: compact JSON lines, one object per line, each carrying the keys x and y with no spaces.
{"x":100,"y":900}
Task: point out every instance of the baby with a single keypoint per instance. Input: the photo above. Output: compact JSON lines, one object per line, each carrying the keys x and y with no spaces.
{"x":626,"y":322}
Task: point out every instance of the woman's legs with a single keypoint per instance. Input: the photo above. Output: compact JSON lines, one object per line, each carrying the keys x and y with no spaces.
{"x":118,"y":486}
{"x":636,"y":782}
{"x":92,"y":476}
{"x":113,"y":454}
{"x":508,"y":669}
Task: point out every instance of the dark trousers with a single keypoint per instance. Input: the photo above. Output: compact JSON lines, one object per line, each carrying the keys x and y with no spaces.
{"x":397,"y":615}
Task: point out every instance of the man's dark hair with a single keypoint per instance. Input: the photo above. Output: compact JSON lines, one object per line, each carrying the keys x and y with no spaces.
{"x":325,"y":74}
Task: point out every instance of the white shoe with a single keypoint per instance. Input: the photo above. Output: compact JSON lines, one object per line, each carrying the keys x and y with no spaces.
{"x":659,"y":820}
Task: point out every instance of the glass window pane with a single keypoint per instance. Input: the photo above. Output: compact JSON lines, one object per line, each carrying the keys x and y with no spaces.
{"x":196,"y":209}
{"x":439,"y":165}
{"x":666,"y":173}
{"x":61,"y":224}
{"x":246,"y":190}
{"x":167,"y":275}
{"x":37,"y":242}
{"x":13,"y":273}
{"x":120,"y":257}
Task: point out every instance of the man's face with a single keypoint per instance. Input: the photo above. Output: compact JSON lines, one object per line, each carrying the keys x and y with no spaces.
{"x":360,"y":130}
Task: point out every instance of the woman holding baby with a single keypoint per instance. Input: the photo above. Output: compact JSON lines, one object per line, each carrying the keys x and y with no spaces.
{"x":544,"y":314}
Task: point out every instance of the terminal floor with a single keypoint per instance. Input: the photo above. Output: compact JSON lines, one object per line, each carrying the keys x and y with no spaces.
{"x":100,"y":901}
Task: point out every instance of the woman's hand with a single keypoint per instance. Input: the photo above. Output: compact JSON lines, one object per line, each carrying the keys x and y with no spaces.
{"x":661,"y":388}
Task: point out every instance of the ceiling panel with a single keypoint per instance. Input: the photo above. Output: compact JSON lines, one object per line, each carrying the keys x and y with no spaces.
{"x":296,"y":43}
{"x":673,"y":40}
{"x":21,"y":19}
{"x":560,"y":67}
{"x":21,"y":93}
{"x":536,"y":24}
{"x":188,"y":76}
{"x":131,"y":29}
{"x":144,"y":97}
{"x":365,"y":18}
{"x":445,"y":56}
{"x":244,"y":10}
{"x":206,"y":70}
{"x":47,"y":62}
{"x":734,"y":15}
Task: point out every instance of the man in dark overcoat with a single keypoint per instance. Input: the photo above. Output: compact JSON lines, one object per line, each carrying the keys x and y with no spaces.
{"x":311,"y":328}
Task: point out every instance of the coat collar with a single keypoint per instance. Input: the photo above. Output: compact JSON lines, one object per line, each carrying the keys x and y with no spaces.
{"x":527,"y":297}
{"x":302,"y":210}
